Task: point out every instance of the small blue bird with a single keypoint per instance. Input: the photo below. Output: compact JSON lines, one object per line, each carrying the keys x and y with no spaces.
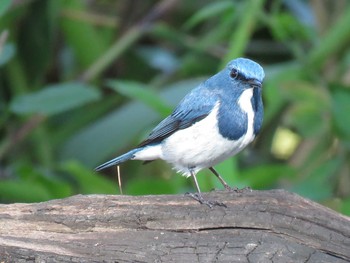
{"x":216,"y":120}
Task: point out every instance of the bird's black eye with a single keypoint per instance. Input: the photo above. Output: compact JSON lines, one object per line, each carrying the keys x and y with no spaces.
{"x":234,"y":73}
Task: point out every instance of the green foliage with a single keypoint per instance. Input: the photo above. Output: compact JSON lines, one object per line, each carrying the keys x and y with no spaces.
{"x":141,"y":92}
{"x":84,"y":81}
{"x":4,"y":6}
{"x":54,"y":99}
{"x":6,"y":54}
{"x":340,"y":111}
{"x":33,"y":184}
{"x":87,"y":181}
{"x":208,"y":12}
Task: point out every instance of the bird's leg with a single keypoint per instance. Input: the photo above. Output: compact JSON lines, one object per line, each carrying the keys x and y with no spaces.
{"x":198,"y":196}
{"x":227,"y":187}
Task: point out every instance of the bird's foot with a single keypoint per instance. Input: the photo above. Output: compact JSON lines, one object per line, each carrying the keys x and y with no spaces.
{"x":210,"y":203}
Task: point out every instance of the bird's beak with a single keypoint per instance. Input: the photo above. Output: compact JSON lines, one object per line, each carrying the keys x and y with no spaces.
{"x":255,"y":83}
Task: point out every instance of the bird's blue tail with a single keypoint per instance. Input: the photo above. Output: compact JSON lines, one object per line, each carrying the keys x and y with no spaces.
{"x":120,"y":159}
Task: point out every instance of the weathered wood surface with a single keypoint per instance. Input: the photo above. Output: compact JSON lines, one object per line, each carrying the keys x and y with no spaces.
{"x":256,"y":226}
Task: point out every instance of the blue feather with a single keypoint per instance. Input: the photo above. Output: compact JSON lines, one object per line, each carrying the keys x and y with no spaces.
{"x":118,"y":160}
{"x":189,"y":111}
{"x":258,"y":108}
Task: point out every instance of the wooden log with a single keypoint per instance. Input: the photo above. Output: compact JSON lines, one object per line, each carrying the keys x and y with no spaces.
{"x":256,"y":226}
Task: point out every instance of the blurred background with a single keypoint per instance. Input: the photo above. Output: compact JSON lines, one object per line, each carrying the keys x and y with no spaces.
{"x":82,"y":81}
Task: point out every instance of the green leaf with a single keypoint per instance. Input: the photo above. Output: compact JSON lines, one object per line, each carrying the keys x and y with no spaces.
{"x":83,"y":37}
{"x":340,"y":110}
{"x":265,"y":176}
{"x":248,"y":18}
{"x":332,"y":42}
{"x":7,"y":53}
{"x":23,"y":191}
{"x":209,"y":11}
{"x":52,"y":183}
{"x":345,"y":207}
{"x":297,"y":90}
{"x":286,"y":27}
{"x":4,"y":6}
{"x":141,"y":92}
{"x":308,"y":108}
{"x":318,"y":185}
{"x":308,"y":118}
{"x":54,"y":99}
{"x":35,"y":39}
{"x":153,"y":186}
{"x":159,"y":58}
{"x":88,"y":181}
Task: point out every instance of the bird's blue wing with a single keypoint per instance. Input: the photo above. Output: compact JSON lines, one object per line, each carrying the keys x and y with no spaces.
{"x":194,"y":107}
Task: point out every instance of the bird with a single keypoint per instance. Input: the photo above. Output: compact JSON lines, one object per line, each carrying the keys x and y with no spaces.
{"x":214,"y":121}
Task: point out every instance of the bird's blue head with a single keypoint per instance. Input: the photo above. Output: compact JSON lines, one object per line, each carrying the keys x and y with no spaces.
{"x":246,"y":71}
{"x":239,"y":91}
{"x":239,"y":74}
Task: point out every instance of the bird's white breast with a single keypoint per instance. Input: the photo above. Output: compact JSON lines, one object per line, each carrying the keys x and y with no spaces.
{"x":245,"y":102}
{"x":201,"y":145}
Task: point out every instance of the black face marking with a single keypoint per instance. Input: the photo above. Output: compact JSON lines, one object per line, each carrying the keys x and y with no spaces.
{"x":234,"y":73}
{"x":237,"y":75}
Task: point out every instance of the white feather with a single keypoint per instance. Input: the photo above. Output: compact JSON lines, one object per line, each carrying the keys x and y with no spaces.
{"x":201,"y":145}
{"x":246,"y":105}
{"x":149,"y":153}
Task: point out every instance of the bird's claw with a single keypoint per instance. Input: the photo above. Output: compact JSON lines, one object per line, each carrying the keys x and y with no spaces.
{"x":210,"y":203}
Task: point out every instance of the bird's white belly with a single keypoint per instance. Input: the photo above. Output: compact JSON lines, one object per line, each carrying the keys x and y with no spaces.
{"x":201,"y":145}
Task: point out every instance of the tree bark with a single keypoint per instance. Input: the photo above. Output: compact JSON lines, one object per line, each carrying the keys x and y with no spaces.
{"x":256,"y":226}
